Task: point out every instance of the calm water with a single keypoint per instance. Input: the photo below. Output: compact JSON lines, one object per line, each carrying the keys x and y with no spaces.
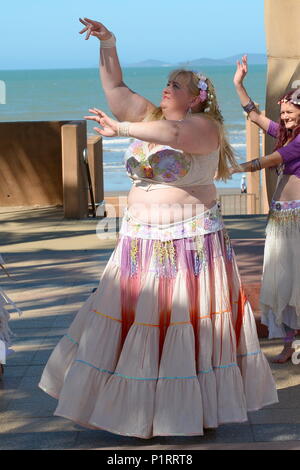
{"x":38,"y":95}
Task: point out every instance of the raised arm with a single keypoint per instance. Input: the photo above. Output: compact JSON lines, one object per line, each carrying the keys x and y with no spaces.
{"x":125,"y":104}
{"x":256,"y":116}
{"x":195,"y":134}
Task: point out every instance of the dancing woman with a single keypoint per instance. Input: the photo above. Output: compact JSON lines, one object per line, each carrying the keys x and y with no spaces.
{"x":167,"y":344}
{"x":280,"y":288}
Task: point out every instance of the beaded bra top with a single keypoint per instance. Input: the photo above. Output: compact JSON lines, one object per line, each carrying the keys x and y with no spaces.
{"x":164,"y":166}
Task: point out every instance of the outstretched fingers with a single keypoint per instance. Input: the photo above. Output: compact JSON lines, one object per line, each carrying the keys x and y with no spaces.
{"x":82,"y":21}
{"x":94,"y":23}
{"x":99,"y":111}
{"x":92,"y":118}
{"x":88,"y":33}
{"x":95,"y":111}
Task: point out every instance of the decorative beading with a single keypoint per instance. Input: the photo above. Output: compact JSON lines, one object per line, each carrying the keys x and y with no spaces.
{"x":165,"y":258}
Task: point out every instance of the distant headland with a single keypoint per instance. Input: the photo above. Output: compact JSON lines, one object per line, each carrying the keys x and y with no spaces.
{"x":253,"y":59}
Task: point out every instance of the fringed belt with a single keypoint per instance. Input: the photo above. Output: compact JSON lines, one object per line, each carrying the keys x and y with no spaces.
{"x":283,"y":214}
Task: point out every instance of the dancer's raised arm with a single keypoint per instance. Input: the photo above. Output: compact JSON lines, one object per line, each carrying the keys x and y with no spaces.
{"x":125,"y":104}
{"x":254,"y":114}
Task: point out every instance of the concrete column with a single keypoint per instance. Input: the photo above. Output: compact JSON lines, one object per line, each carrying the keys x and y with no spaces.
{"x":95,"y":159}
{"x":283,"y":52}
{"x":75,"y":183}
{"x":264,"y":203}
{"x":253,"y":179}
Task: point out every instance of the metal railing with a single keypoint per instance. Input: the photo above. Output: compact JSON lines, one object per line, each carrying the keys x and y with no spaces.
{"x":236,"y":204}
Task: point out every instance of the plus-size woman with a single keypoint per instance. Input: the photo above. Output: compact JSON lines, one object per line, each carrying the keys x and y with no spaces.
{"x":167,"y":344}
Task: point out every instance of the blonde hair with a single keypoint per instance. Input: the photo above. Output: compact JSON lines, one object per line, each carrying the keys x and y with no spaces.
{"x":209,"y":109}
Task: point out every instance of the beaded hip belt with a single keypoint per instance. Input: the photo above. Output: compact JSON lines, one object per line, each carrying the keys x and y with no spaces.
{"x":207,"y":222}
{"x":283,"y":214}
{"x":283,"y":205}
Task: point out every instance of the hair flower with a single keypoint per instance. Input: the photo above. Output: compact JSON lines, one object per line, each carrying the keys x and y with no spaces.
{"x":202,"y":85}
{"x":203,"y":95}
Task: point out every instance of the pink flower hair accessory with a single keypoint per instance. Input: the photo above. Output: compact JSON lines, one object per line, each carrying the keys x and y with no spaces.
{"x":204,"y":94}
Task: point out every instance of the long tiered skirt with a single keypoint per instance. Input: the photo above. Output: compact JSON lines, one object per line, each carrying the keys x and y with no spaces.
{"x":167,"y":344}
{"x":280,"y":287}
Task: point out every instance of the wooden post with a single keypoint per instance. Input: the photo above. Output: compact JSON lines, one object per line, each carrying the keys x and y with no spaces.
{"x":95,"y":159}
{"x":253,"y":179}
{"x":75,"y":184}
{"x":283,"y":73}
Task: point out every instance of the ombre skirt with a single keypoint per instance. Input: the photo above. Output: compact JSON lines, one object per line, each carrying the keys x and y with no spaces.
{"x":280,"y":287}
{"x":167,"y":344}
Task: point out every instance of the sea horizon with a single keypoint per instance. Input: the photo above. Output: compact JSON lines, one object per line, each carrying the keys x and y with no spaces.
{"x":67,"y":94}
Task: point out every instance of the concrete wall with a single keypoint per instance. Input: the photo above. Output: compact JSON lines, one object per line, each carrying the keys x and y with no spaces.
{"x":283,"y":51}
{"x":42,"y":164}
{"x":30,"y":163}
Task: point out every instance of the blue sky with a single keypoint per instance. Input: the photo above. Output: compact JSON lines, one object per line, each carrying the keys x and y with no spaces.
{"x":44,"y":33}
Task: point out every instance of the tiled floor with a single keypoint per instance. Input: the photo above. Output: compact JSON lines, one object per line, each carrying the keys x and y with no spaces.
{"x":54,"y":265}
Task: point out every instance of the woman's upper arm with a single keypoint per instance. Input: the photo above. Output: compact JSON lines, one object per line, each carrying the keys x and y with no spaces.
{"x":271,"y":160}
{"x":273,"y":128}
{"x":126,"y":105}
{"x":284,"y":154}
{"x":261,"y":120}
{"x":198,"y":135}
{"x":290,"y":151}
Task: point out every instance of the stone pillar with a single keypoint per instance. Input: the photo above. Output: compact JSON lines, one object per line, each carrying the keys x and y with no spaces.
{"x":283,"y":52}
{"x":264,"y":203}
{"x":75,"y":182}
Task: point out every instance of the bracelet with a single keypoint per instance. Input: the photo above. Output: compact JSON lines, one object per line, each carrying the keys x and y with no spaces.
{"x":108,"y":43}
{"x":249,"y":107}
{"x":255,"y":165}
{"x":123,"y":129}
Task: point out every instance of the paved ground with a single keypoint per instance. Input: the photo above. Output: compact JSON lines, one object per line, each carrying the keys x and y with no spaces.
{"x":54,"y":265}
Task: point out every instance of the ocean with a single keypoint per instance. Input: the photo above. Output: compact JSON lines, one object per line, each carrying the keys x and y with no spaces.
{"x":40,"y":95}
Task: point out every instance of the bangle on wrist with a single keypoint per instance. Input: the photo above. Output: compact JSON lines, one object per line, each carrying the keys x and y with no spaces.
{"x":250,"y":106}
{"x":108,"y":43}
{"x":255,"y":165}
{"x":123,"y":129}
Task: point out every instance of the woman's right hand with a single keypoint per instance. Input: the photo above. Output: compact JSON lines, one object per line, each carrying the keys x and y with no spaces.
{"x":241,"y":71}
{"x":94,"y":28}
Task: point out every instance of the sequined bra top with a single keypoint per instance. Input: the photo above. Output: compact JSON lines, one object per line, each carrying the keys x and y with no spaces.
{"x":165,"y":167}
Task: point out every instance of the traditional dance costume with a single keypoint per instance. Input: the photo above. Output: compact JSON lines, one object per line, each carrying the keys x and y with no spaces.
{"x":167,"y":344}
{"x":280,"y":289}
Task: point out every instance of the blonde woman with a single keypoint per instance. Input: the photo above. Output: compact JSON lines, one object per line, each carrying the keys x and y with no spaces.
{"x":167,"y":344}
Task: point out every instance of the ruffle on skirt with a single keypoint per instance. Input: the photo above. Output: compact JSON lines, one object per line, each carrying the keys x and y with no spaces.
{"x":166,"y":345}
{"x":280,"y":288}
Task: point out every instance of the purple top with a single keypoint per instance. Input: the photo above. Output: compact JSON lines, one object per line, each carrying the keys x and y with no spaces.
{"x":290,"y":153}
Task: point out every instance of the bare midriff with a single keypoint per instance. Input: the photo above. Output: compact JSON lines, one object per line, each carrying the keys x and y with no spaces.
{"x":288,"y":188}
{"x":173,"y":204}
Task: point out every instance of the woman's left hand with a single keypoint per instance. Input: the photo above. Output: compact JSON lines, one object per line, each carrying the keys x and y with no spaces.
{"x":109,"y":126}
